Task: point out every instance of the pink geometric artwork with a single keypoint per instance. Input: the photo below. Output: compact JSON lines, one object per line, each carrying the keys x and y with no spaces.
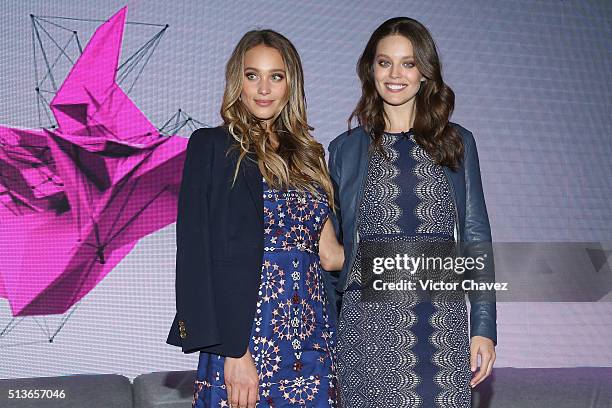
{"x":76,"y":199}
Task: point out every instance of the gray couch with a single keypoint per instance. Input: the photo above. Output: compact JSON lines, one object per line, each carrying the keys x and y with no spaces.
{"x":581,"y":387}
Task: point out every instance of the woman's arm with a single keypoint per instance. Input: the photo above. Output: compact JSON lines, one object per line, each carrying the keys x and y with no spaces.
{"x":196,"y":317}
{"x":478,"y":244}
{"x":330,"y":250}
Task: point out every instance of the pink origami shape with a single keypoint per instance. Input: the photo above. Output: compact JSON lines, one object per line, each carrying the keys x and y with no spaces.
{"x":28,"y":176}
{"x":78,"y":198}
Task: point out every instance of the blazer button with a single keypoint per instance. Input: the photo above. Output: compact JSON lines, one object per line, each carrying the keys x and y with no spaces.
{"x":182,"y":331}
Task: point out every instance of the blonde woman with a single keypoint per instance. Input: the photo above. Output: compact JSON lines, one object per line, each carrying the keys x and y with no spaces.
{"x":252,"y":234}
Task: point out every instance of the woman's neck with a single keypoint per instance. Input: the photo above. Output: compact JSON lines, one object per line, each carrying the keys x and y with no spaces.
{"x":399,"y":118}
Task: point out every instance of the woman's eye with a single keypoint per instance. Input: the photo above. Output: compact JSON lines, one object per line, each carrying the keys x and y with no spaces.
{"x":251,"y":76}
{"x":277,"y":77}
{"x":383,"y":63}
{"x":409,"y":64}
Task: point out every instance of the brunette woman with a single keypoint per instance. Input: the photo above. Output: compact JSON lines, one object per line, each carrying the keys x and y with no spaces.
{"x":408,"y":182}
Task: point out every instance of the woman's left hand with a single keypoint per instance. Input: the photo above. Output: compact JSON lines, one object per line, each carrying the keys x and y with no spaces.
{"x":483,"y":347}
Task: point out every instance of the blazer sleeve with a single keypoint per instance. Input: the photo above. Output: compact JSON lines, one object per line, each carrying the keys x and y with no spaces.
{"x":477,"y":243}
{"x":195,"y":325}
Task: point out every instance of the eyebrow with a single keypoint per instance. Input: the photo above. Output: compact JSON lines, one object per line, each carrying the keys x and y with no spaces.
{"x":272,"y":70}
{"x":386,"y":56}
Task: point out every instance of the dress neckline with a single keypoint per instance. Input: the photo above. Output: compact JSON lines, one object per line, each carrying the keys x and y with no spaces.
{"x":408,"y":133}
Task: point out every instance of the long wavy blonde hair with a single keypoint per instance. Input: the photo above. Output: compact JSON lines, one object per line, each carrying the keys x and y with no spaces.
{"x":299,"y":160}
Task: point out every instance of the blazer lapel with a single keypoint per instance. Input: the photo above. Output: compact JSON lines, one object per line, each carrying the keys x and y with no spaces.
{"x":253,"y":180}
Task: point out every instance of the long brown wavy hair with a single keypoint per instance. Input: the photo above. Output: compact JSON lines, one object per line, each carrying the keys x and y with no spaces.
{"x":434,"y":101}
{"x":299,"y":160}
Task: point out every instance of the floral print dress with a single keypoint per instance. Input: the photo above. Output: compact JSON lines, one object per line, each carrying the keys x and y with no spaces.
{"x":293,"y":336}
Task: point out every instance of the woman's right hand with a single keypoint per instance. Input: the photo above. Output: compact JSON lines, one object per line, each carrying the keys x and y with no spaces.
{"x":241,"y":381}
{"x":331,"y":253}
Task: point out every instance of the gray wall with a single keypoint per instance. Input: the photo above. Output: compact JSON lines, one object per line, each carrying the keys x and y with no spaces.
{"x":532,"y":80}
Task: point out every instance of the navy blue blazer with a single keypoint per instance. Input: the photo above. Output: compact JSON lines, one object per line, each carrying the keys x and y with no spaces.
{"x":219,"y":237}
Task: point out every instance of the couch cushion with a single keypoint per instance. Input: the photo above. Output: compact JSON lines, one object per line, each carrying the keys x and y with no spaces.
{"x":164,"y":389}
{"x":90,"y":391}
{"x":576,"y":387}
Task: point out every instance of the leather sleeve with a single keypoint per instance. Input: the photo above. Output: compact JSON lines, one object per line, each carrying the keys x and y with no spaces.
{"x":477,"y":243}
{"x":195,"y":325}
{"x":332,"y":277}
{"x":334,"y":172}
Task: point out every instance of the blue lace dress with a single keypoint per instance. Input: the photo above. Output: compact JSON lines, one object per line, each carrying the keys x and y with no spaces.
{"x":292,"y":337}
{"x":411,"y":350}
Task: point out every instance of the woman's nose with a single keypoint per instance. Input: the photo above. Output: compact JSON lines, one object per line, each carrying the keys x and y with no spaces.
{"x":264,"y":88}
{"x":395,"y":71}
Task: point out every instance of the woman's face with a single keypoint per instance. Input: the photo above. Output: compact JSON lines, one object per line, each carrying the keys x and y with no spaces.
{"x":396,"y":76}
{"x":264,"y":85}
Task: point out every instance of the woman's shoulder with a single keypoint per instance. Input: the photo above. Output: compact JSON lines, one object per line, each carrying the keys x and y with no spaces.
{"x":210,"y":136}
{"x":466,"y":135}
{"x":470,"y":152}
{"x":210,"y":141}
{"x":339,"y":140}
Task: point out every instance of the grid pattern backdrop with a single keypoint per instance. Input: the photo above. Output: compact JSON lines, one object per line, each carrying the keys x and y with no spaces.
{"x":532,"y":80}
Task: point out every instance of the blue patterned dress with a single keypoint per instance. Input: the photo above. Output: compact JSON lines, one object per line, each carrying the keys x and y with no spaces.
{"x":292,"y":337}
{"x":414,"y":351}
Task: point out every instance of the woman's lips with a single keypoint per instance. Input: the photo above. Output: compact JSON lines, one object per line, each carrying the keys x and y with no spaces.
{"x":264,"y":103}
